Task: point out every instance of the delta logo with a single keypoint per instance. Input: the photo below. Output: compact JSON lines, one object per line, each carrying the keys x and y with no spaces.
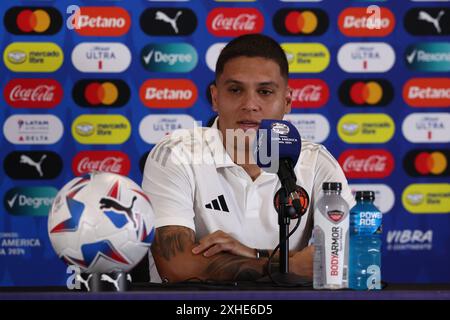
{"x":101,"y":57}
{"x":366,"y":128}
{"x":428,"y":57}
{"x":425,"y":21}
{"x":100,"y":160}
{"x":366,"y":92}
{"x":33,"y":20}
{"x":363,"y":22}
{"x":366,"y":163}
{"x":168,"y":93}
{"x":33,"y":129}
{"x":309,"y":93}
{"x":169,"y":57}
{"x":427,"y":92}
{"x":101,"y":129}
{"x":101,"y":93}
{"x":426,"y":127}
{"x":100,"y":21}
{"x":300,"y":22}
{"x":168,"y":21}
{"x":427,"y":163}
{"x":33,"y":93}
{"x":33,"y":57}
{"x":232,"y":22}
{"x":306,"y":57}
{"x":427,"y":198}
{"x":366,"y":57}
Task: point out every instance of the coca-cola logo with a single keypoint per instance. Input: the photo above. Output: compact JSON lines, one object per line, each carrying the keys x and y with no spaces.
{"x":33,"y":93}
{"x":231,"y":22}
{"x":309,"y":93}
{"x":366,"y":163}
{"x":106,"y":161}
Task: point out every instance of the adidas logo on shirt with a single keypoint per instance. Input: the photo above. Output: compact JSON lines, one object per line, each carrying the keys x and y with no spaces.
{"x":218,"y":204}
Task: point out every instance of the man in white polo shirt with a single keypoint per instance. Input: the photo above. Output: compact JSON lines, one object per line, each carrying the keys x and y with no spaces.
{"x":215,"y":217}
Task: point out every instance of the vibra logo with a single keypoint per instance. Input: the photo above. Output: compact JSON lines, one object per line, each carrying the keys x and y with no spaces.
{"x":33,"y":129}
{"x":384,"y":195}
{"x":366,"y":57}
{"x":408,"y":239}
{"x":427,"y":92}
{"x":101,"y":93}
{"x":101,"y":57}
{"x":366,"y":128}
{"x":427,"y":198}
{"x":312,"y":127}
{"x":309,"y":93}
{"x":29,"y":201}
{"x":101,"y":129}
{"x":231,"y":22}
{"x":428,"y":21}
{"x":102,"y":160}
{"x":169,"y":57}
{"x":306,"y":57}
{"x":168,"y":21}
{"x":168,"y":93}
{"x":33,"y":57}
{"x":366,"y":92}
{"x":427,"y":127}
{"x":33,"y":20}
{"x":304,"y":22}
{"x":366,"y":163}
{"x":33,"y":93}
{"x":364,"y":22}
{"x":427,"y":163}
{"x":33,"y":165}
{"x":154,"y":127}
{"x":428,"y":56}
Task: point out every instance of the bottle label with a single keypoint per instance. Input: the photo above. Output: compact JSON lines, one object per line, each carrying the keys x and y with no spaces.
{"x":365,"y":222}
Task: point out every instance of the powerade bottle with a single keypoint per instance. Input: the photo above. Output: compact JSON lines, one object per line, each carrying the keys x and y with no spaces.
{"x":365,"y":243}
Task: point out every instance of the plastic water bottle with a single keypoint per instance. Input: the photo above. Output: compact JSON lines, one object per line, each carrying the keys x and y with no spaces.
{"x":330,"y":235}
{"x":365,"y":243}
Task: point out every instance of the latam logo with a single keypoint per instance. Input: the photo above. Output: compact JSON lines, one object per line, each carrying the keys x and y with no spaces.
{"x":106,"y":161}
{"x":427,"y":92}
{"x":306,"y":57}
{"x":232,"y":22}
{"x":366,"y":57}
{"x":154,"y":127}
{"x":169,"y":57}
{"x":101,"y":129}
{"x":101,"y":93}
{"x":168,"y":21}
{"x":363,"y":22}
{"x":168,"y":93}
{"x":35,"y":165}
{"x":409,"y":239}
{"x":212,"y":54}
{"x":428,"y":21}
{"x":366,"y":128}
{"x":33,"y":20}
{"x":366,"y":92}
{"x":384,"y":195}
{"x":29,"y":201}
{"x":33,"y":57}
{"x":309,"y":93}
{"x":427,"y":198}
{"x":101,"y":57}
{"x":33,"y":129}
{"x":427,"y":163}
{"x":427,"y":127}
{"x":33,"y":93}
{"x":312,"y":127}
{"x":304,"y":22}
{"x":366,"y":163}
{"x":428,"y":56}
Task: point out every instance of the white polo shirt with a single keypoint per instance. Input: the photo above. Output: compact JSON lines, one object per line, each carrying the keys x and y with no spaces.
{"x":192,"y":182}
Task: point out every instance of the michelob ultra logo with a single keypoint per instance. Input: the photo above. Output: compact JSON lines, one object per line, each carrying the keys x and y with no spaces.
{"x":306,"y":57}
{"x":169,"y":57}
{"x":427,"y":127}
{"x":168,"y":93}
{"x":33,"y":20}
{"x":366,"y":92}
{"x":364,"y":22}
{"x":366,"y":57}
{"x":101,"y":93}
{"x":427,"y":198}
{"x":428,"y":56}
{"x":154,"y":127}
{"x":29,"y":201}
{"x":101,"y":57}
{"x":33,"y":57}
{"x":101,"y":129}
{"x":366,"y":128}
{"x":427,"y":92}
{"x":304,"y":22}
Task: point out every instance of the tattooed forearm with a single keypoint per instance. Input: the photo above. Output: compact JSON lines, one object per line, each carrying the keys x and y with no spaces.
{"x":227,"y":266}
{"x":171,"y":240}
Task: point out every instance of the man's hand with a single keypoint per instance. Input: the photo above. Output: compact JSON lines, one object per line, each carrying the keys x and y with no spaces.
{"x":301,"y":262}
{"x":220,"y":241}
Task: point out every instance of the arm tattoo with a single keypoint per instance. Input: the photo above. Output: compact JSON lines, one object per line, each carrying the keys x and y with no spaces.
{"x":171,"y":240}
{"x":227,"y":266}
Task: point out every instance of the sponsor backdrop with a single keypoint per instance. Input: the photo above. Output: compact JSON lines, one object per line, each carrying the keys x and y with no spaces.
{"x":96,"y":90}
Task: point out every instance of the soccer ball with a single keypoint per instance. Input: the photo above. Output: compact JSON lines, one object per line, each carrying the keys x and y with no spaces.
{"x":102,"y":223}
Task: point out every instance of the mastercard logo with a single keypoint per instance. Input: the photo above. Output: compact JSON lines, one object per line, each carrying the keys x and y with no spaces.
{"x":33,"y":20}
{"x":305,"y":21}
{"x":427,"y":163}
{"x":101,"y":93}
{"x":366,"y":92}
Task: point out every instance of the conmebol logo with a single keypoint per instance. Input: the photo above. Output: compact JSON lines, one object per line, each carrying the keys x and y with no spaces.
{"x":33,"y":93}
{"x":366,"y":163}
{"x":168,"y":93}
{"x":231,"y":22}
{"x":427,"y":92}
{"x":362,"y":22}
{"x":100,"y":21}
{"x":102,"y":160}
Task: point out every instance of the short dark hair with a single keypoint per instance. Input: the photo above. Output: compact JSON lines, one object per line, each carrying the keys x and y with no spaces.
{"x":253,"y":45}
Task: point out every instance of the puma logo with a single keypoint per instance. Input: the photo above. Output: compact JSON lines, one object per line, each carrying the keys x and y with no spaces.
{"x":109,"y":203}
{"x":172,"y":21}
{"x":115,"y":282}
{"x":79,"y":278}
{"x":425,"y":16}
{"x":37,"y":165}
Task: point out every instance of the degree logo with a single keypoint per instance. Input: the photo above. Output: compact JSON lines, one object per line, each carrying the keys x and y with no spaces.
{"x":306,"y":57}
{"x":168,"y":93}
{"x":427,"y":92}
{"x":362,"y":22}
{"x":428,"y":21}
{"x":427,"y":127}
{"x":366,"y":92}
{"x":101,"y":129}
{"x":100,"y":21}
{"x":304,"y":22}
{"x":33,"y":20}
{"x":428,"y":56}
{"x":33,"y":57}
{"x":427,"y":163}
{"x":29,"y":201}
{"x":168,"y":21}
{"x":366,"y":128}
{"x":427,"y":198}
{"x":101,"y":93}
{"x":169,"y":57}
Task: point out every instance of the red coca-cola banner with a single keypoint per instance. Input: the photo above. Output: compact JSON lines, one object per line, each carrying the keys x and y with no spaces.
{"x":107,"y":161}
{"x":33,"y":93}
{"x":366,"y":163}
{"x":231,"y":22}
{"x":309,"y":93}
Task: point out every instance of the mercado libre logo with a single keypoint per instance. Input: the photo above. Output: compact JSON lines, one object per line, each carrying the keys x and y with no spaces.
{"x":363,"y":22}
{"x":169,"y":57}
{"x":366,"y":128}
{"x":366,"y":163}
{"x":427,"y":163}
{"x":101,"y":129}
{"x":168,"y":21}
{"x":306,"y":57}
{"x":427,"y":198}
{"x":33,"y":93}
{"x":427,"y":92}
{"x":428,"y":57}
{"x":232,"y":22}
{"x":366,"y":92}
{"x":304,"y":22}
{"x":33,"y":57}
{"x":101,"y":160}
{"x":29,"y":201}
{"x":168,"y":93}
{"x":33,"y":165}
{"x":33,"y":20}
{"x":101,"y":93}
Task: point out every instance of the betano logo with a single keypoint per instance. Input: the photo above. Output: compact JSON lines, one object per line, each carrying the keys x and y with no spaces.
{"x":309,"y":93}
{"x":101,"y":57}
{"x":364,"y":22}
{"x":33,"y":57}
{"x":169,"y":57}
{"x":306,"y":57}
{"x":366,"y":128}
{"x":232,"y":22}
{"x":29,"y":201}
{"x":168,"y":93}
{"x":33,"y":129}
{"x":427,"y":163}
{"x":101,"y":93}
{"x":427,"y":92}
{"x":304,"y":22}
{"x":33,"y":93}
{"x":366,"y":92}
{"x":366,"y":57}
{"x":33,"y":20}
{"x":312,"y":127}
{"x":428,"y":57}
{"x":427,"y":127}
{"x":101,"y":129}
{"x":384,"y":195}
{"x":154,"y":127}
{"x":427,"y":198}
